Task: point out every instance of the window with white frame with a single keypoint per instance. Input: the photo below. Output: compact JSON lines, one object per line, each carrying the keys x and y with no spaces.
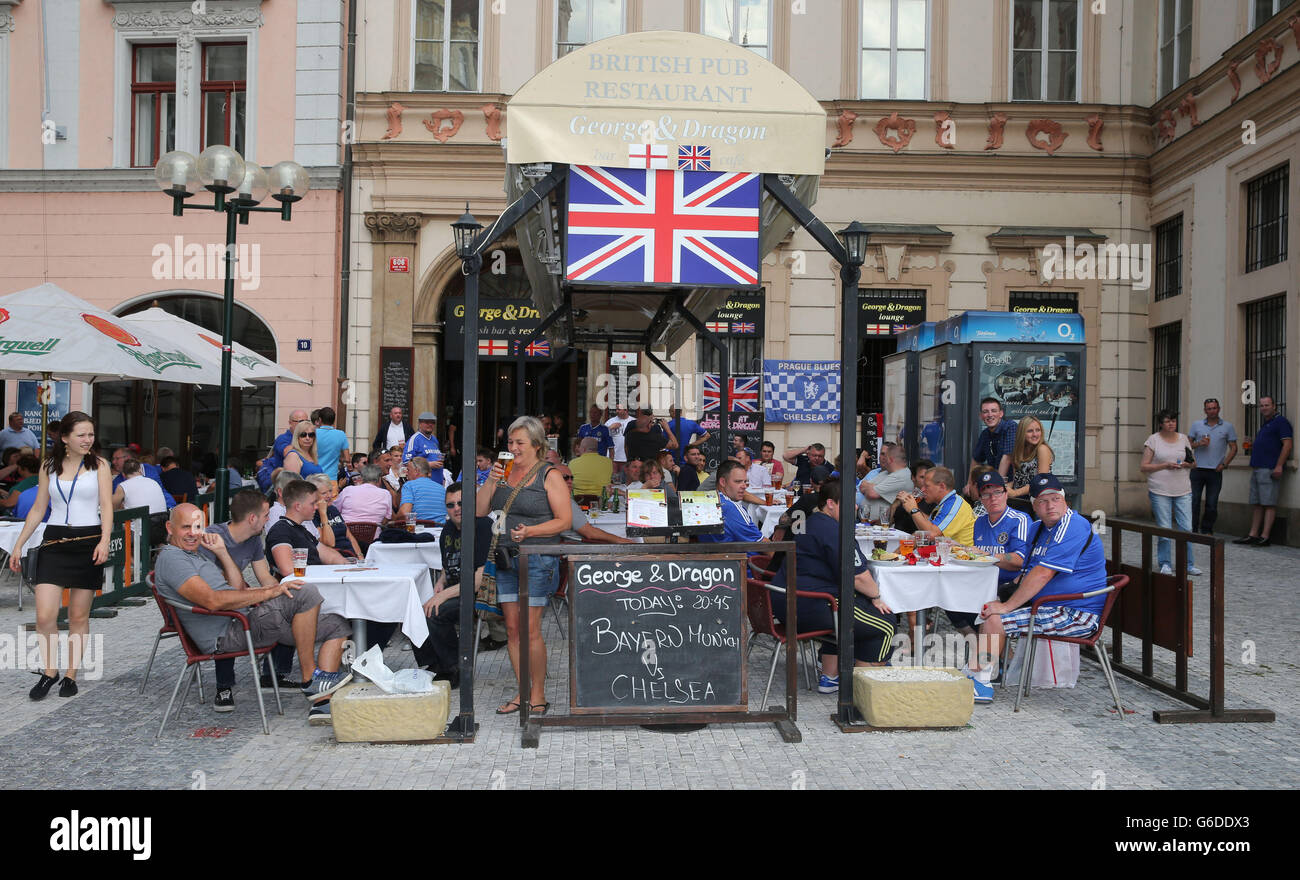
{"x":579,"y":22}
{"x":1175,"y":43}
{"x":1262,"y":10}
{"x":1045,"y":50}
{"x":893,"y":51}
{"x":447,"y":46}
{"x":153,"y":102}
{"x":225,"y":95}
{"x":743,"y":22}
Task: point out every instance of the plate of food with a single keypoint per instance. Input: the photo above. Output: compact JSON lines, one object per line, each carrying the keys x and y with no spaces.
{"x":887,"y":558}
{"x":962,"y":556}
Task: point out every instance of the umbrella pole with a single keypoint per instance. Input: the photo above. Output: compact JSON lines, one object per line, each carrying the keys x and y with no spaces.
{"x":223,"y":439}
{"x":45,"y":416}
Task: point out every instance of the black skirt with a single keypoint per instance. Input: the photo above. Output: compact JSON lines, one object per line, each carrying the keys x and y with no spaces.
{"x":70,"y":564}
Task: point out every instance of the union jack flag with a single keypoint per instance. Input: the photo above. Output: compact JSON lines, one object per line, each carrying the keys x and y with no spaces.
{"x":694,"y":158}
{"x":638,"y":226}
{"x":744,"y":393}
{"x":743,"y":327}
{"x":538,"y":348}
{"x":716,"y":326}
{"x":493,"y":347}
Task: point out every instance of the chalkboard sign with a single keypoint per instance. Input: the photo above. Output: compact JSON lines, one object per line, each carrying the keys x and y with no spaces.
{"x":657,"y":634}
{"x":395,"y":372}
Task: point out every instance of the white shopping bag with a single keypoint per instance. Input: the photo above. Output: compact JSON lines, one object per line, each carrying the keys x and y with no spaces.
{"x":1056,"y":664}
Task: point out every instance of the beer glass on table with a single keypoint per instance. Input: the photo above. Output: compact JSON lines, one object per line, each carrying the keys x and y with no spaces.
{"x":299,"y":562}
{"x":410,"y":523}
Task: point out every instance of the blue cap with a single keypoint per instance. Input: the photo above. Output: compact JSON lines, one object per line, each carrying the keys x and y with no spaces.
{"x":1044,"y":483}
{"x":991,"y":478}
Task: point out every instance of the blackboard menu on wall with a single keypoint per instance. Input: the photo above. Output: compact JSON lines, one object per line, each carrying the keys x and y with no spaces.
{"x":659,"y":634}
{"x":396,"y":368}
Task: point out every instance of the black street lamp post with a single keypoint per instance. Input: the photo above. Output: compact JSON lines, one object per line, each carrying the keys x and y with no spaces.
{"x":467,"y":231}
{"x":223,"y":172}
{"x":854,"y":237}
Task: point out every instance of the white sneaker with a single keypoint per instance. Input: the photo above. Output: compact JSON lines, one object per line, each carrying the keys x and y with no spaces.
{"x":1165,"y":569}
{"x":1194,"y":571}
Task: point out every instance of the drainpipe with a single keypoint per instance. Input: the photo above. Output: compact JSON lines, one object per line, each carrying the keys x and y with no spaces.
{"x":345,"y":255}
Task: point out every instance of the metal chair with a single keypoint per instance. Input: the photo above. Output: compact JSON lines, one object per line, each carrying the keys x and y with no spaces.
{"x":193,"y":657}
{"x":758,"y":604}
{"x":166,"y":631}
{"x":1114,"y":584}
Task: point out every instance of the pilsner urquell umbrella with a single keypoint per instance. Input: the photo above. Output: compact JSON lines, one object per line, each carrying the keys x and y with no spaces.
{"x":203,"y":344}
{"x":46,"y":331}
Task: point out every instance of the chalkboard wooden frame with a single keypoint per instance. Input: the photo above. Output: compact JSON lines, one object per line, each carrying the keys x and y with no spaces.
{"x":405,"y":355}
{"x":782,"y":717}
{"x":736,"y":559}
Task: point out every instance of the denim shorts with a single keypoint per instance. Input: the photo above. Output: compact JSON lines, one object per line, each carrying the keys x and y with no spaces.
{"x":1263,"y":488}
{"x":543,"y":580}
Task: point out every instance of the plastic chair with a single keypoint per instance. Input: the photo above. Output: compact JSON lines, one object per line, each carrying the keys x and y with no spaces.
{"x":560,"y":596}
{"x":758,"y":604}
{"x":167,"y":631}
{"x":193,"y":657}
{"x":364,"y":532}
{"x":1114,"y":584}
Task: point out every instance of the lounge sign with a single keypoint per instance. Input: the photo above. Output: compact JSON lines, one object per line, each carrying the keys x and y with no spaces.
{"x":663,"y":98}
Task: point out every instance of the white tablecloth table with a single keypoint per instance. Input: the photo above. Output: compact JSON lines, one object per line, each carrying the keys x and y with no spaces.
{"x":389,"y":593}
{"x":9,"y":533}
{"x":923,"y":586}
{"x":426,"y":553}
{"x":614,"y":523}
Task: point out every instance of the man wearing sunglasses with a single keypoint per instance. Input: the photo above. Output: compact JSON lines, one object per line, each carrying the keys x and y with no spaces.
{"x":440,"y":653}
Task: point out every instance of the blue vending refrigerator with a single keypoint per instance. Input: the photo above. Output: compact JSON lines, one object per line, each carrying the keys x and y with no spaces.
{"x":1034,"y":363}
{"x":901,"y":386}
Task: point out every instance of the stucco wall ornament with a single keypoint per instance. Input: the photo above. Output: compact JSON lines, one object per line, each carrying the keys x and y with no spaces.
{"x":394,"y":114}
{"x":904,"y":128}
{"x":845,"y":125}
{"x":492,"y":116}
{"x":997,"y":125}
{"x":1095,"y":123}
{"x":1055,"y":132}
{"x":1265,"y":70}
{"x":435,"y":126}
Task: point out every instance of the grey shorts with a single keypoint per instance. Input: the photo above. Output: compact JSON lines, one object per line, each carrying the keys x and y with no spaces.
{"x":1263,"y":488}
{"x":271,"y":623}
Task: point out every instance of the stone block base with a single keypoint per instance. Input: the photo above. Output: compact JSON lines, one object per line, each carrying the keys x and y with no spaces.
{"x":364,"y":713}
{"x":945,"y":702}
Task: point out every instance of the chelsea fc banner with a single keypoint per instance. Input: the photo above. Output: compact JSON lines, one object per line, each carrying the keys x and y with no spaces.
{"x":801,"y":391}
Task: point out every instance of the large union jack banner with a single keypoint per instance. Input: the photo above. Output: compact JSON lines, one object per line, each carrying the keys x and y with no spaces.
{"x":638,"y":226}
{"x":744,"y":393}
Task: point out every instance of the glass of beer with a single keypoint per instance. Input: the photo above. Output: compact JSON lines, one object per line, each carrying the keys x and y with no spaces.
{"x":507,"y":461}
{"x":299,"y":562}
{"x":767,"y":497}
{"x":410,"y":522}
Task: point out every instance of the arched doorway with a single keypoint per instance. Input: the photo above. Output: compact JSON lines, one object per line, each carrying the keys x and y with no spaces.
{"x":502,"y":278}
{"x":186,"y":417}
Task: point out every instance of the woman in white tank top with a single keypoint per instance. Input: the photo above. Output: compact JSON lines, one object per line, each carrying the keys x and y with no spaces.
{"x":76,"y":485}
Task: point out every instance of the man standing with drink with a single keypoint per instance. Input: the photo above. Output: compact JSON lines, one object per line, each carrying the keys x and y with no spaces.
{"x":1214,"y":445}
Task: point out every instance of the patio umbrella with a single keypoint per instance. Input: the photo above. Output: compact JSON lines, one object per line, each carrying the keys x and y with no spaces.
{"x":46,"y":331}
{"x":205,"y":345}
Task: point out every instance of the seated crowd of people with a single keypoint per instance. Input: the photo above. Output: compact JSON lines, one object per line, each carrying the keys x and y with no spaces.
{"x":317,"y":491}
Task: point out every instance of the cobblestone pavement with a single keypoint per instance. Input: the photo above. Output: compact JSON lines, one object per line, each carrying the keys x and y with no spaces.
{"x":104,"y":738}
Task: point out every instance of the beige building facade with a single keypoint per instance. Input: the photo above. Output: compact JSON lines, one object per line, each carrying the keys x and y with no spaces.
{"x":970,"y":134}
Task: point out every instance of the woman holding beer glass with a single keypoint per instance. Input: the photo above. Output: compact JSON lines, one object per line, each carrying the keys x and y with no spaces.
{"x":540,"y":510}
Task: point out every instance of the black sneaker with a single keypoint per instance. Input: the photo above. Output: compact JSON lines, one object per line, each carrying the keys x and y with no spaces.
{"x":319,"y":715}
{"x":452,"y":678}
{"x":42,"y":687}
{"x":487,"y":643}
{"x":1247,"y":540}
{"x":68,"y":687}
{"x":287,"y":682}
{"x":224,"y":701}
{"x":1263,"y":542}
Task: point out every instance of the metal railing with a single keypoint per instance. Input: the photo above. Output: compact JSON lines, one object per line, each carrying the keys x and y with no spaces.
{"x":1157,"y":609}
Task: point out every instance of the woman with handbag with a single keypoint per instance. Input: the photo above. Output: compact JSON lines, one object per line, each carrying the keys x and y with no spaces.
{"x":77,"y":486}
{"x":537,"y":507}
{"x":1167,"y":460}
